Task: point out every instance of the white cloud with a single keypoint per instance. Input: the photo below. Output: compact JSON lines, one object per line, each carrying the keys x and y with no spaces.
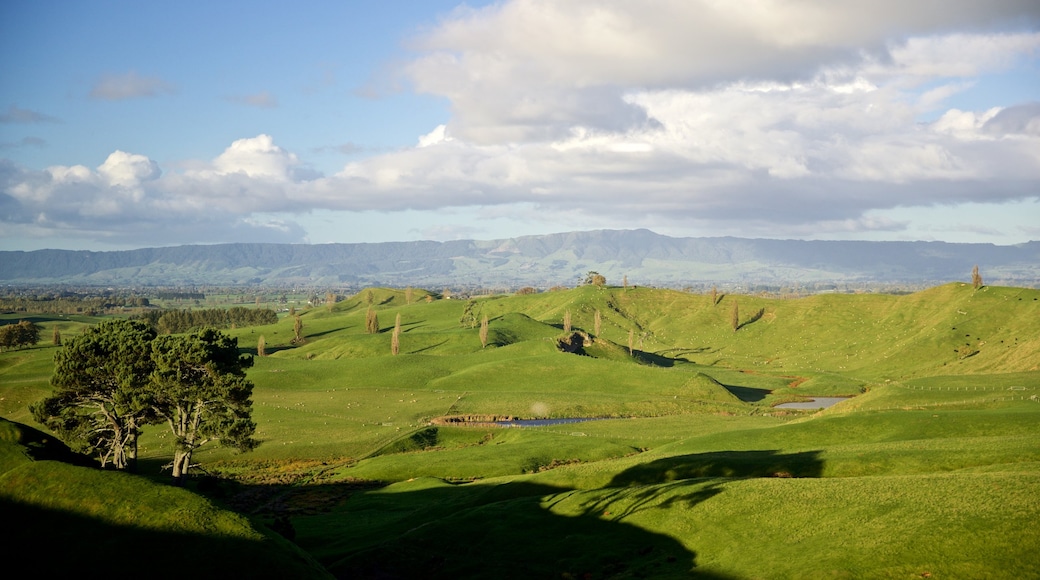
{"x":438,"y":135}
{"x":769,"y":118}
{"x":257,"y":157}
{"x":529,"y":69}
{"x":128,"y":170}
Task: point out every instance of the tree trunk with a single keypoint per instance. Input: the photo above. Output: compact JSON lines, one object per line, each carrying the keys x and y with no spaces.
{"x":131,"y":453}
{"x":181,"y":462}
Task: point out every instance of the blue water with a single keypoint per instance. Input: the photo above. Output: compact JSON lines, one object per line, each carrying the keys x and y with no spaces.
{"x":817,"y":403}
{"x":542,"y":422}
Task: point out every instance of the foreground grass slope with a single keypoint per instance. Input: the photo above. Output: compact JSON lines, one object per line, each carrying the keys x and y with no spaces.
{"x":931,"y":470}
{"x":69,"y":519}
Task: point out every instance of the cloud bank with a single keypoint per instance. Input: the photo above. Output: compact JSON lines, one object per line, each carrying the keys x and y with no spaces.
{"x":771,"y":119}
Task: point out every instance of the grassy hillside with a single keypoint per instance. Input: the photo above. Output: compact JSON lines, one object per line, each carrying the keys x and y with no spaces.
{"x":930,"y":469}
{"x":67,"y":519}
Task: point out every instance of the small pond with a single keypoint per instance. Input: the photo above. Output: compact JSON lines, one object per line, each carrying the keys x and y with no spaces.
{"x":815,"y":403}
{"x":542,"y":422}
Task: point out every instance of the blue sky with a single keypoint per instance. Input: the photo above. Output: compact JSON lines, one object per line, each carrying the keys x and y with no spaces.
{"x":136,"y":124}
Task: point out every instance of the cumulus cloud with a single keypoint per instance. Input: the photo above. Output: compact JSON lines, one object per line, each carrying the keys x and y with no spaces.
{"x":130,"y":85}
{"x":772,"y":119}
{"x":1019,"y":119}
{"x":129,"y":199}
{"x":528,"y":69}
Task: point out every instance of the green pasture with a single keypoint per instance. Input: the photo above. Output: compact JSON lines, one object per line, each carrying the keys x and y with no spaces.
{"x":930,"y":469}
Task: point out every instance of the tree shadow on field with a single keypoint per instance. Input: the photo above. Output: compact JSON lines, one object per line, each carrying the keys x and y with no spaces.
{"x":670,"y":481}
{"x":488,"y":531}
{"x":728,"y":464}
{"x":323,"y":333}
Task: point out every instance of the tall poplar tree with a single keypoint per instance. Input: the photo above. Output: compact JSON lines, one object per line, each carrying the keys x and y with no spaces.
{"x":371,"y":321}
{"x":395,"y":338}
{"x":976,"y":278}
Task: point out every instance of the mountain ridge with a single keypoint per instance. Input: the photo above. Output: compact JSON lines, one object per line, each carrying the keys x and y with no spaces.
{"x":641,"y":255}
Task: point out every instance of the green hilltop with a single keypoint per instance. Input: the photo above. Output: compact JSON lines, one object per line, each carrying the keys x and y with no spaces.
{"x":375,"y":465}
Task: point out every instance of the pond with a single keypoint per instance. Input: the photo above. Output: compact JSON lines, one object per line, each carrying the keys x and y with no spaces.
{"x":542,"y":422}
{"x":815,"y":403}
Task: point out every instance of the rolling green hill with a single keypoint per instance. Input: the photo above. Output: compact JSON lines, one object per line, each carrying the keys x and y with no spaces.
{"x":930,"y":470}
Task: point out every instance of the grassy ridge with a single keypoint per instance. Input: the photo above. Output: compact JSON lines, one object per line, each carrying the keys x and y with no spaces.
{"x":932,"y":468}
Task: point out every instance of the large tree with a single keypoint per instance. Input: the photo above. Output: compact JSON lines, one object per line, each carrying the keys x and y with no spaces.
{"x":24,"y":333}
{"x":200,"y":389}
{"x":101,"y":397}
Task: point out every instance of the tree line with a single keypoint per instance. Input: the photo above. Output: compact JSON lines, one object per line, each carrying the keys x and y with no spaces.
{"x":178,"y":321}
{"x":121,"y":375}
{"x":57,"y":304}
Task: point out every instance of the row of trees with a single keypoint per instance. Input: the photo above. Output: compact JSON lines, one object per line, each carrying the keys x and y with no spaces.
{"x":120,"y":376}
{"x":94,"y":305}
{"x":178,"y":321}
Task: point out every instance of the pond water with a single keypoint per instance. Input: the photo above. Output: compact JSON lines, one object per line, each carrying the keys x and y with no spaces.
{"x":542,"y":422}
{"x":816,"y":403}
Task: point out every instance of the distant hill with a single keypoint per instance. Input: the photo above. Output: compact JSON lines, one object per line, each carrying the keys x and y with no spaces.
{"x":542,"y":261}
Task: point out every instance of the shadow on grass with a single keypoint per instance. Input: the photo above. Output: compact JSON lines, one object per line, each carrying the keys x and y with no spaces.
{"x":655,"y":359}
{"x":485,"y":531}
{"x":748,"y":394}
{"x":722,"y":464}
{"x":754,"y":318}
{"x":323,"y":333}
{"x":429,"y":347}
{"x":55,"y":543}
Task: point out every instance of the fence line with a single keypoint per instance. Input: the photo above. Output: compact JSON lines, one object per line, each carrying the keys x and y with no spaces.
{"x":972,"y":388}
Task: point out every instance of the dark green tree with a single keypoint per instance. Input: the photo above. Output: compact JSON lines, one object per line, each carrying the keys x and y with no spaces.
{"x":101,"y":397}
{"x":199,"y":388}
{"x":24,"y":333}
{"x":597,"y":279}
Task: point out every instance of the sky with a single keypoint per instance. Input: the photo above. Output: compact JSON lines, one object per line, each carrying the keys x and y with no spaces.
{"x":141,"y":124}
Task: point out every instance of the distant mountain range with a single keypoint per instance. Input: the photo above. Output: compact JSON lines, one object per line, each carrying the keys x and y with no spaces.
{"x":641,"y":256}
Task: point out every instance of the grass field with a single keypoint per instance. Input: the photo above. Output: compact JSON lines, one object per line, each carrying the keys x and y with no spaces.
{"x":930,"y":470}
